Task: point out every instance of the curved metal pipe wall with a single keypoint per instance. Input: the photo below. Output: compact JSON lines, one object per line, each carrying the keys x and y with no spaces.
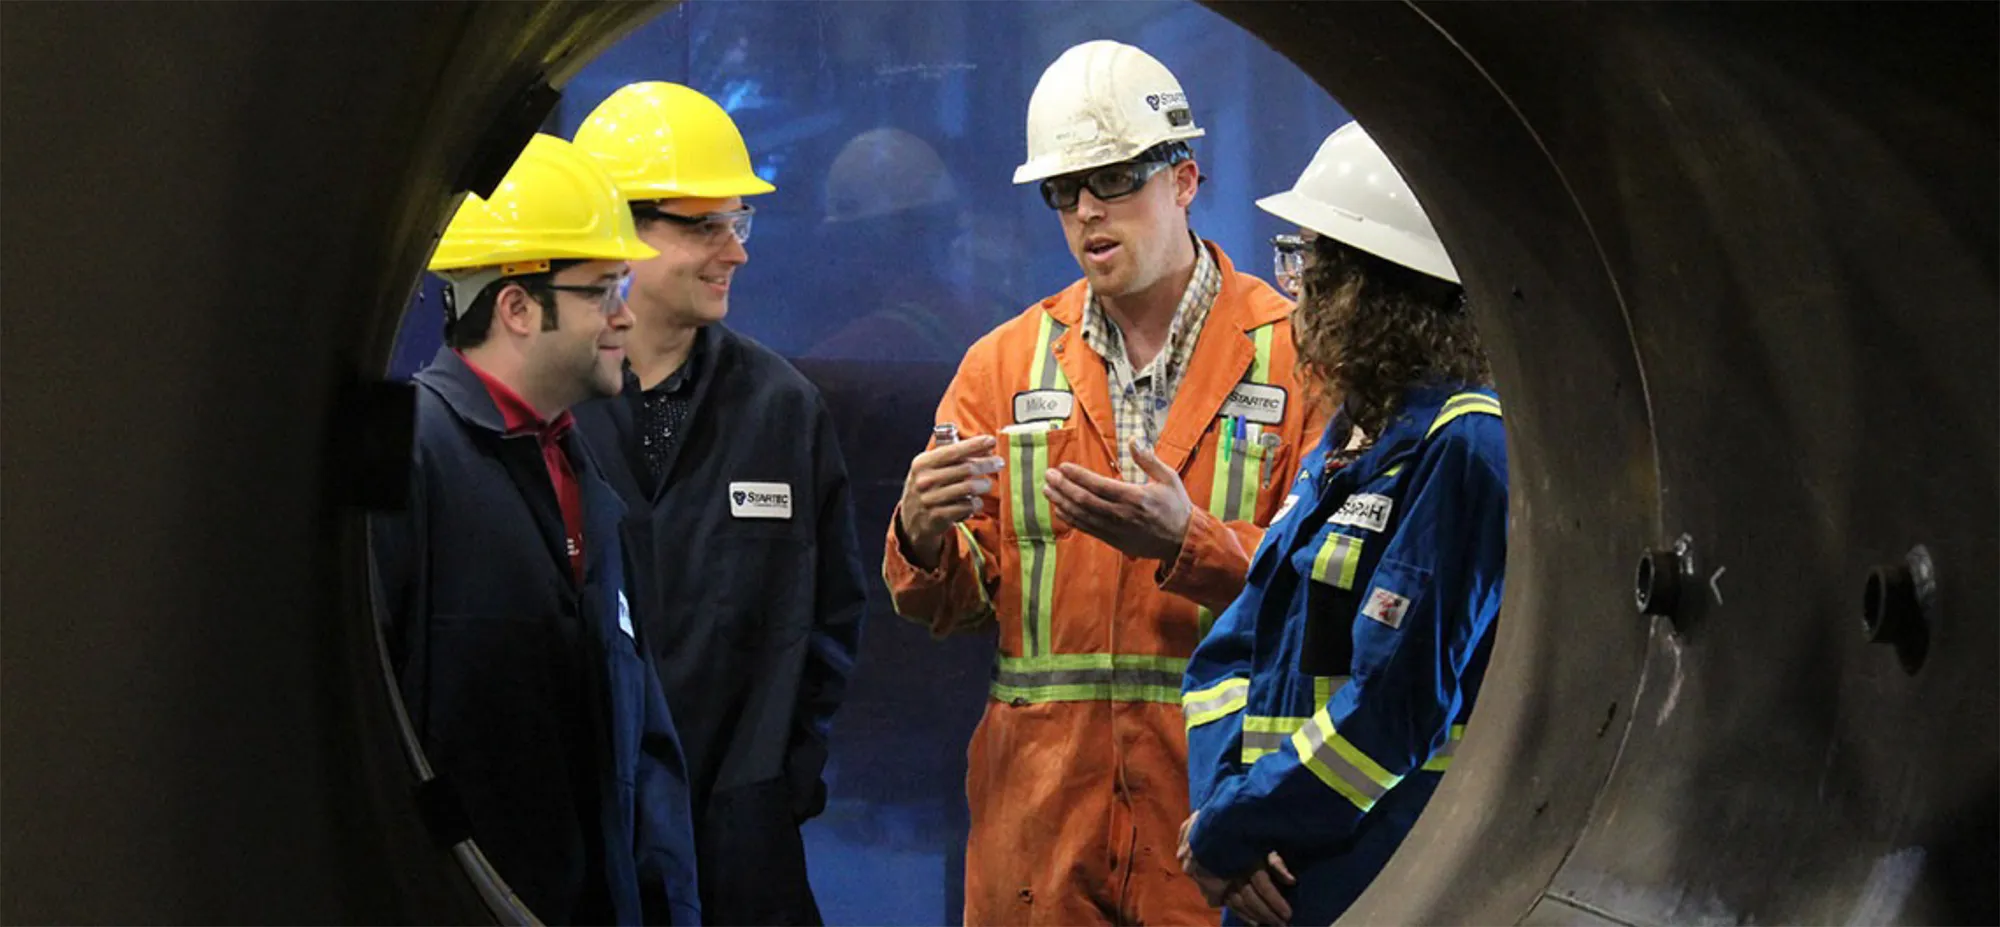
{"x":1737,"y":269}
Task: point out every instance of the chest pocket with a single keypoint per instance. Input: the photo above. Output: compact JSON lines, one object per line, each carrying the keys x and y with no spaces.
{"x":1394,"y":590}
{"x":1332,"y":566}
{"x":1030,"y":453}
{"x":758,"y":577}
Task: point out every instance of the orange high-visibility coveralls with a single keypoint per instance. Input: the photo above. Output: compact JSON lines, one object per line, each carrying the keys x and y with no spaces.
{"x":1077,"y":776}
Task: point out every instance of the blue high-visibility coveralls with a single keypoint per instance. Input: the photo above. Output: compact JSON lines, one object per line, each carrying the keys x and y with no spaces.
{"x":1324,"y":706}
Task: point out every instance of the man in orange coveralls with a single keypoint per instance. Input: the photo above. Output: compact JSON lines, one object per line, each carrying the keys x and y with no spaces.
{"x":1142,"y":423}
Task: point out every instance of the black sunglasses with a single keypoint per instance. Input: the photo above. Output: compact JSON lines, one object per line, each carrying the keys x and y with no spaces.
{"x":1106,"y":183}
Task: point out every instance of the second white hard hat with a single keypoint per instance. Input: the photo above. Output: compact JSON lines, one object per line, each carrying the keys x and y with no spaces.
{"x":1100,"y":103}
{"x":1351,"y":193}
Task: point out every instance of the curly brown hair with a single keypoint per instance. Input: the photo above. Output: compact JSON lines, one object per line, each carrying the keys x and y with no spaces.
{"x":1368,"y":329}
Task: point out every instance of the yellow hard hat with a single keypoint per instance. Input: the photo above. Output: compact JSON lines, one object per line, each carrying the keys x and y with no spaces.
{"x":554,"y":204}
{"x":661,"y":141}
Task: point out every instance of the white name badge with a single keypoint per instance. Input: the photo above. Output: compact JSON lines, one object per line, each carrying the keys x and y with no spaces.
{"x":1257,"y":402}
{"x":1369,"y":510}
{"x":1285,"y":509}
{"x":1043,"y":405}
{"x":760,"y":500}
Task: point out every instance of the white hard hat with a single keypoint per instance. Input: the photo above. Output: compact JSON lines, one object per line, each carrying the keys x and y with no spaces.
{"x":1351,"y":193}
{"x":1100,"y":103}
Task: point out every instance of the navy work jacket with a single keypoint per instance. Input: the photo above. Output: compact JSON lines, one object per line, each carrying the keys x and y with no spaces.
{"x":532,"y":701}
{"x":747,"y":583}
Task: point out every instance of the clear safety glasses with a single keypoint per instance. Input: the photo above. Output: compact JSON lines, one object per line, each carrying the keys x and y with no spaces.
{"x":713,"y":228}
{"x":1289,"y":263}
{"x":608,"y":296}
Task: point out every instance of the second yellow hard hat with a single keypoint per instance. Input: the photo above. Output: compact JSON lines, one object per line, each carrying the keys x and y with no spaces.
{"x":662,"y":141}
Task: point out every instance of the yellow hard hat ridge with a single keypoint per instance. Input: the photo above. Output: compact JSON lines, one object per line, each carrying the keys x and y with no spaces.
{"x":554,"y":204}
{"x":660,"y":141}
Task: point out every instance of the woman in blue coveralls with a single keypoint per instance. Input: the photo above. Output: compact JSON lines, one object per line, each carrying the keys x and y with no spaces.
{"x":1324,"y":706}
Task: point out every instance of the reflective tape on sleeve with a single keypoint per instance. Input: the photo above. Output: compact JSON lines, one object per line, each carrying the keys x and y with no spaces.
{"x":1216,"y":702}
{"x":1340,"y":764}
{"x":1441,"y":760}
{"x":1264,"y":734}
{"x":1461,"y":405}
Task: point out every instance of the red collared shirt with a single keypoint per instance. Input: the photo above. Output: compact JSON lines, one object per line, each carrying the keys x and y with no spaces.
{"x":520,"y":419}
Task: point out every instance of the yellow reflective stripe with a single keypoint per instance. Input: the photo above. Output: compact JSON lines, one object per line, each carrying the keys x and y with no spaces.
{"x":1264,"y":734}
{"x":1247,"y":470}
{"x":1105,"y":661}
{"x":1276,"y":724}
{"x":1463,"y":404}
{"x":1260,"y":368}
{"x":1324,"y":687}
{"x":1045,"y":372}
{"x":1215,"y":702}
{"x":1034,"y":525}
{"x":1087,"y":692}
{"x":1089,"y":677}
{"x":1441,"y":760}
{"x":1340,"y":764}
{"x":978,"y":568}
{"x":1027,"y":458}
{"x":1392,"y":471}
{"x":1232,"y":492}
{"x":1338,"y":560}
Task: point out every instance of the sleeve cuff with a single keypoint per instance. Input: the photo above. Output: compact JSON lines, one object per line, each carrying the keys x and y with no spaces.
{"x":900,"y":570}
{"x":1199,"y":573}
{"x":934,"y":598}
{"x":1212,"y":842}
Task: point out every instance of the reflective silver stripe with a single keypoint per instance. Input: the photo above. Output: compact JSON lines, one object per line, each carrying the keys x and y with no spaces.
{"x":1089,"y":677}
{"x":1051,"y":372}
{"x":1463,"y":404}
{"x":1258,"y":743}
{"x":1441,"y":760}
{"x":1111,"y":676}
{"x":1334,"y":761}
{"x":1028,"y":458}
{"x":1214,"y":703}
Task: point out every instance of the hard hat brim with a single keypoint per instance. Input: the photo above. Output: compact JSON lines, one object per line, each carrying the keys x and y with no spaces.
{"x":633,"y":250}
{"x":1373,"y":237}
{"x":713,"y":190}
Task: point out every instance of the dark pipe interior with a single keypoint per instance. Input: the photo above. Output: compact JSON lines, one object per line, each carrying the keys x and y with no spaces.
{"x":1735,"y":264}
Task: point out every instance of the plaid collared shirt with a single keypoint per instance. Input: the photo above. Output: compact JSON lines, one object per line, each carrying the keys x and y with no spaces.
{"x":1140,"y":398}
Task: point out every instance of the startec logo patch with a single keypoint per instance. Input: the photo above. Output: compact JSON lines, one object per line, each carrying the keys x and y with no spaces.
{"x":1169,"y":98}
{"x":760,"y":500}
{"x":1257,"y":402}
